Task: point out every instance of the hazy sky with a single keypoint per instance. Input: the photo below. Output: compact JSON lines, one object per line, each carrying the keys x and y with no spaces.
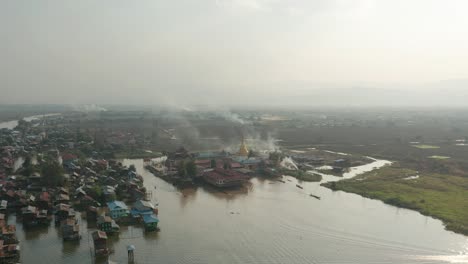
{"x":223,"y":51}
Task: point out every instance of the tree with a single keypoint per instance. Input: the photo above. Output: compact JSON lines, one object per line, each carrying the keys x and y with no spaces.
{"x":132,"y":168}
{"x":275,"y":156}
{"x":27,"y":167}
{"x":252,"y":153}
{"x":191,"y":168}
{"x":27,"y":161}
{"x":22,"y":125}
{"x":213,"y":164}
{"x":187,"y":168}
{"x":181,"y":168}
{"x":27,"y":171}
{"x":52,"y":174}
{"x":10,"y":141}
{"x":96,"y":193}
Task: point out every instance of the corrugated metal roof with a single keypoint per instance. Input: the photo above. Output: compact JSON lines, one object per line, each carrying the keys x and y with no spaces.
{"x":117,"y":205}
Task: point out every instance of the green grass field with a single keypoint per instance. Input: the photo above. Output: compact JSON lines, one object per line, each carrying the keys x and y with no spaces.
{"x":441,"y":196}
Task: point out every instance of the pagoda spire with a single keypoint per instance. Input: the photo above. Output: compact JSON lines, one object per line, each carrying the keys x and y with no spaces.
{"x":243,"y":151}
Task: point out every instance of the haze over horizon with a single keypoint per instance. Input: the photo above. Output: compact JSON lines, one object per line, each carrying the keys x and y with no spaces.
{"x":234,"y":52}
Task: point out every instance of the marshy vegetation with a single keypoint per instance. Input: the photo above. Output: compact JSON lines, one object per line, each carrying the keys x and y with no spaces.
{"x":441,"y":196}
{"x":303,"y":175}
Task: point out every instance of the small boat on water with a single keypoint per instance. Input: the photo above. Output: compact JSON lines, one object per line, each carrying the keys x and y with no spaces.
{"x":315,"y":196}
{"x":156,"y":169}
{"x":298,"y":186}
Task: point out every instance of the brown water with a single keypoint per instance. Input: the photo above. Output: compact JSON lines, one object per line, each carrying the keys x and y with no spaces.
{"x":266,"y":222}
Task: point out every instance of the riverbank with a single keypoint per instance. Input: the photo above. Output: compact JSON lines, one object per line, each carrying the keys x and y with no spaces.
{"x":440,"y":196}
{"x":307,"y":176}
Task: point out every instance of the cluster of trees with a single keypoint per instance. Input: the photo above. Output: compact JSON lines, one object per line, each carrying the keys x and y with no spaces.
{"x":83,"y":137}
{"x":187,"y":168}
{"x":52,"y":174}
{"x":28,"y":167}
{"x":51,"y":171}
{"x":276,"y":156}
{"x":8,"y":141}
{"x":96,"y":193}
{"x":23,"y":125}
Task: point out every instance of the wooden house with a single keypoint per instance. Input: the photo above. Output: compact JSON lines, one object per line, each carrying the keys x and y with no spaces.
{"x":62,"y":213}
{"x":70,"y":230}
{"x":9,"y":253}
{"x":107,"y":224}
{"x":91,"y":214}
{"x":8,"y":234}
{"x":151,"y":222}
{"x":100,"y":244}
{"x":117,"y":209}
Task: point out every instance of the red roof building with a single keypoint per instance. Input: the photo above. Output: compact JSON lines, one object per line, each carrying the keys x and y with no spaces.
{"x":69,"y":157}
{"x":224,"y":178}
{"x":203,"y":163}
{"x":45,"y":196}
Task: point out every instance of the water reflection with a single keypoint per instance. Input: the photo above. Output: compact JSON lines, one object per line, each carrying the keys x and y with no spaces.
{"x":227,"y":194}
{"x":150,"y":236}
{"x":187,"y":195}
{"x":35,"y":232}
{"x":70,"y":247}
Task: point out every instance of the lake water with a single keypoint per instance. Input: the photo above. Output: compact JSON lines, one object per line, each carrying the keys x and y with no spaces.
{"x":12,"y":124}
{"x":266,"y":222}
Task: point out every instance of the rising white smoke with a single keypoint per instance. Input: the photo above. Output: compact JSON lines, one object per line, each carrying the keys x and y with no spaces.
{"x":289,"y":164}
{"x":232,"y":117}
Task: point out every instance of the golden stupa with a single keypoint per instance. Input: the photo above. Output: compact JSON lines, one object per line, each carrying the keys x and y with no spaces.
{"x":243,"y":151}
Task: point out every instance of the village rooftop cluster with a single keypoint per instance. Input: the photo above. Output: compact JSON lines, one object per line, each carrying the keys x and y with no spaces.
{"x":43,"y":181}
